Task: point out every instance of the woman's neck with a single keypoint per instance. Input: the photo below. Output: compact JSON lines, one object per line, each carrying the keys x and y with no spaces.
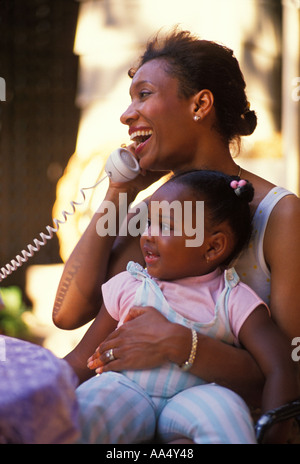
{"x":214,"y":156}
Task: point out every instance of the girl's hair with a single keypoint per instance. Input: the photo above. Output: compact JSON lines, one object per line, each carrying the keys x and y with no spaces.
{"x":224,"y":201}
{"x":202,"y":64}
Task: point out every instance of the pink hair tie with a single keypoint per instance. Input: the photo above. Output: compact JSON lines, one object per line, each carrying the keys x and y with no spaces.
{"x":237,"y":185}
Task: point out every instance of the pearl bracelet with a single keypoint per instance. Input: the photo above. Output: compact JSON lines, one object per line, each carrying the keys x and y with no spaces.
{"x":188,"y":364}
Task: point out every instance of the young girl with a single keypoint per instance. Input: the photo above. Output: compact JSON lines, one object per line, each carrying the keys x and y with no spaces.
{"x":191,"y":286}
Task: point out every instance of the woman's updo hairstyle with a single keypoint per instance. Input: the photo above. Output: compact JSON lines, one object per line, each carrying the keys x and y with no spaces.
{"x":226,"y":199}
{"x":202,"y":64}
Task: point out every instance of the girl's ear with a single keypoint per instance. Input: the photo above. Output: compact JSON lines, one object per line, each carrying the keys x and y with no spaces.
{"x":203,"y":102}
{"x":217,"y":250}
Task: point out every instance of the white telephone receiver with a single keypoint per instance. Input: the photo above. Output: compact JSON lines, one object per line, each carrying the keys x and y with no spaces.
{"x":121,"y":166}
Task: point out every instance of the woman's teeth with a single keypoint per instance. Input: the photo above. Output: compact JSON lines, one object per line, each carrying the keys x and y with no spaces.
{"x":141,"y":135}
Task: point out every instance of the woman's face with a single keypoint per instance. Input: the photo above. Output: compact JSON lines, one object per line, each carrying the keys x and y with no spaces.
{"x":160,"y":122}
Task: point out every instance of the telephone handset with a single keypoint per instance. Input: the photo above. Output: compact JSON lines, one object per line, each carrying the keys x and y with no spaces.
{"x":121,"y":166}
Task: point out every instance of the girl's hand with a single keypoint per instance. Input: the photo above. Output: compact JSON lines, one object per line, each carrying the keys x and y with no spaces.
{"x":144,"y":341}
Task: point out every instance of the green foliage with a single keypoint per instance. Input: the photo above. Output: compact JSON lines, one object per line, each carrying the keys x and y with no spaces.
{"x":11,"y":320}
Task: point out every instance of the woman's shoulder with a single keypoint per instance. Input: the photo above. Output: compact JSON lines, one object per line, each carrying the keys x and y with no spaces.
{"x":286,"y":211}
{"x":282,"y":226}
{"x":267,"y":193}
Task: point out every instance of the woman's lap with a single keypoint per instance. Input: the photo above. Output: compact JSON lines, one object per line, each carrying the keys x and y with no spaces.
{"x":206,"y":414}
{"x":113,"y":409}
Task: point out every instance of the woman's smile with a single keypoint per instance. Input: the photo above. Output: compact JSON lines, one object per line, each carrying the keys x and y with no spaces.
{"x":140,"y":136}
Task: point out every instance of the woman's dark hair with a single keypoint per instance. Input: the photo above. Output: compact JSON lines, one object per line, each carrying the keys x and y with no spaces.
{"x":222,"y":202}
{"x":202,"y":64}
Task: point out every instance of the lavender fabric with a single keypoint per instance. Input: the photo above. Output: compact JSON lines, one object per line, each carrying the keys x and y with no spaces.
{"x":37,"y":395}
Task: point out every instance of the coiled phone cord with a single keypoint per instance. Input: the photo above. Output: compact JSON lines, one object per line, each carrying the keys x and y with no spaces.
{"x":22,"y":258}
{"x":121,"y":166}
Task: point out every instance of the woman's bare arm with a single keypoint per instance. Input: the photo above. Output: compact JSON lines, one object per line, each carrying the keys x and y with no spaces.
{"x":95,"y":259}
{"x":282,"y":254}
{"x":272,"y":351}
{"x":78,"y":297}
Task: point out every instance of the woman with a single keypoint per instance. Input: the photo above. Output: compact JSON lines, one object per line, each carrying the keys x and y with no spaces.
{"x":188,"y":96}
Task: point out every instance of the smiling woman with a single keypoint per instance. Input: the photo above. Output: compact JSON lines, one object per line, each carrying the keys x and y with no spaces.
{"x":194,"y":71}
{"x":156,"y":110}
{"x":193,"y":117}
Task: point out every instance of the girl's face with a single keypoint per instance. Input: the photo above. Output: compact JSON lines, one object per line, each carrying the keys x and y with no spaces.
{"x":166,"y":255}
{"x":160,"y":121}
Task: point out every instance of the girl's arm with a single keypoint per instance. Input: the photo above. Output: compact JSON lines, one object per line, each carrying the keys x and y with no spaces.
{"x":272,"y":351}
{"x":102,"y":326}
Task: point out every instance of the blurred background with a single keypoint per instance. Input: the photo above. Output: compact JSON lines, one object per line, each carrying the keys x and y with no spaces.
{"x":64,"y":64}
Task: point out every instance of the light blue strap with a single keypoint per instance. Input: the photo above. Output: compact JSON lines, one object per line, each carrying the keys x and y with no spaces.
{"x":231,"y":277}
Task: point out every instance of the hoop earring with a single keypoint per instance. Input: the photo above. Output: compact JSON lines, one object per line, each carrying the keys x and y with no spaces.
{"x":197,"y":118}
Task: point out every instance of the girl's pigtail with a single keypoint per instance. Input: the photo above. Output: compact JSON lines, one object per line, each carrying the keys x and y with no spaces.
{"x":243,"y":189}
